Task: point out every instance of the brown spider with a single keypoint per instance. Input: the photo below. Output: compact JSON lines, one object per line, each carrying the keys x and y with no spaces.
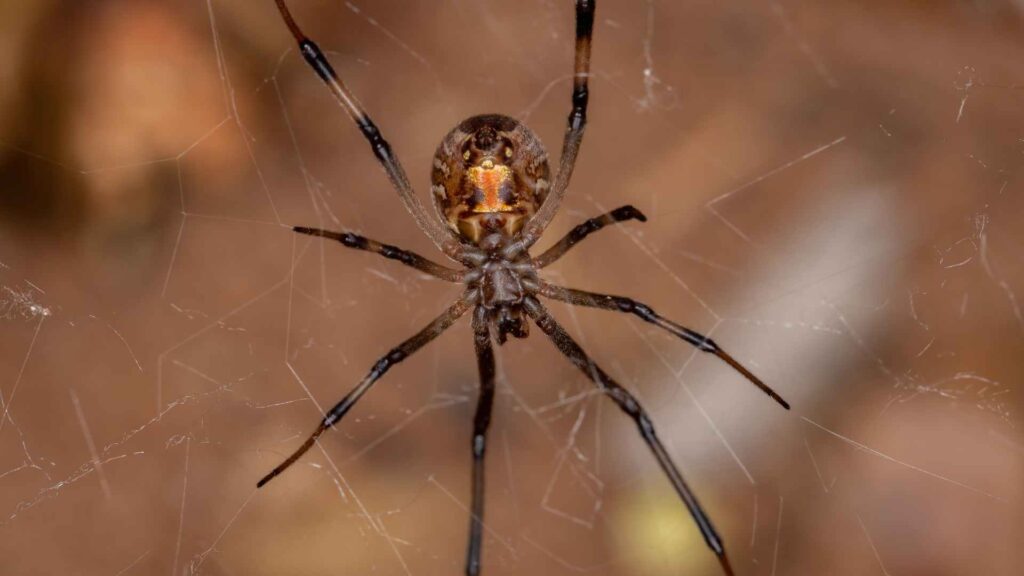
{"x":492,"y":191}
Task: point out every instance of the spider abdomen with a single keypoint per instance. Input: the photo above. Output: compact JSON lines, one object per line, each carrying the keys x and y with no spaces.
{"x":490,"y":175}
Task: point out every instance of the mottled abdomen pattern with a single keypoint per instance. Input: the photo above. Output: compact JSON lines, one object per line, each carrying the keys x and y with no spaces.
{"x":490,"y":175}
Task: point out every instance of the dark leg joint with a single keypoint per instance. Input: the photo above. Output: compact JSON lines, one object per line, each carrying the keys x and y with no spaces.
{"x":628,"y":212}
{"x":584,"y":18}
{"x":626,"y":402}
{"x":586,"y":229}
{"x":381,"y":148}
{"x":580,"y":96}
{"x":333,"y":416}
{"x":346,"y":238}
{"x":311,"y":52}
{"x":645,"y":424}
{"x":354,"y":241}
{"x":703,"y":343}
{"x":393,"y":357}
{"x":396,"y":253}
{"x":631,"y":306}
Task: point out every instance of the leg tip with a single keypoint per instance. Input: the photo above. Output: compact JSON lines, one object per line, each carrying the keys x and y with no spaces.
{"x":629,"y":211}
{"x":749,"y":376}
{"x":263,"y":481}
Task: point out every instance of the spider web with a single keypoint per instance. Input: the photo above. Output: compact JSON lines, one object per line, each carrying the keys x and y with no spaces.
{"x":833,"y":194}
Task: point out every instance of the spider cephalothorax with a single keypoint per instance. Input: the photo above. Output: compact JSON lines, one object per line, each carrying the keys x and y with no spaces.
{"x":500,"y":284}
{"x":490,"y":175}
{"x":494,"y":198}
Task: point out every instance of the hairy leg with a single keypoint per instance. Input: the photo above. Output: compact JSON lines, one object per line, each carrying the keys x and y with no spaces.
{"x":628,"y":305}
{"x":573,"y":132}
{"x":406,"y":257}
{"x":439,"y":234}
{"x":577,"y":234}
{"x":481,"y":422}
{"x":628,"y":404}
{"x":396,"y":355}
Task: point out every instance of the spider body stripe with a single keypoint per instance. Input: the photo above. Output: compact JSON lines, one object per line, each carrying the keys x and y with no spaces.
{"x":493,"y":194}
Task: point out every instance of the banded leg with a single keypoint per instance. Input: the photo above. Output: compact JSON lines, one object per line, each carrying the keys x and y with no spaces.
{"x":628,"y":305}
{"x":396,"y":355}
{"x":482,"y":420}
{"x":406,"y":257}
{"x":577,"y":234}
{"x":573,"y":132}
{"x":628,"y":404}
{"x":439,"y":234}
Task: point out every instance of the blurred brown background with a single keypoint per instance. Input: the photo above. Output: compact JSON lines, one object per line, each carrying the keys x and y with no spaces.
{"x":834,"y":192}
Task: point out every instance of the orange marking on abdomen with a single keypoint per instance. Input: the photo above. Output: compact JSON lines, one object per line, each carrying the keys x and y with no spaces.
{"x":489,"y":183}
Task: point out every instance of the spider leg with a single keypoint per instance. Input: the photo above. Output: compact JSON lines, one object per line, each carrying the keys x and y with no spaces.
{"x":585,"y":229}
{"x":628,"y":404}
{"x":406,"y":257}
{"x":440,"y":235}
{"x":396,"y":355}
{"x":623,"y":304}
{"x":482,"y":420}
{"x":574,"y":131}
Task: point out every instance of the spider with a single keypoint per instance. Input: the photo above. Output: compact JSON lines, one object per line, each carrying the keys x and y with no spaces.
{"x":494,"y":197}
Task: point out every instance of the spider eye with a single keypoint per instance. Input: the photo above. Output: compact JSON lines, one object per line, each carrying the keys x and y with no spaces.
{"x":508,"y":151}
